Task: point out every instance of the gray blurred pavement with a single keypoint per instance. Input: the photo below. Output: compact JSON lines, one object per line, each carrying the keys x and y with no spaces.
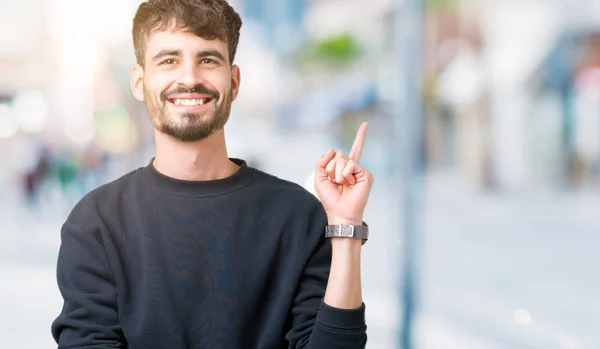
{"x":509,"y":270}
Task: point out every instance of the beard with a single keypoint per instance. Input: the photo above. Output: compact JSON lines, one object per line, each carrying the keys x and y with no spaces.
{"x":189,"y":126}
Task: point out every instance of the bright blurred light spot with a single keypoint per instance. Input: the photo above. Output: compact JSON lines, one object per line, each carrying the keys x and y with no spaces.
{"x":28,"y":40}
{"x":566,"y":342}
{"x":522,"y":317}
{"x":80,"y":59}
{"x":114,"y":129}
{"x":79,"y":63}
{"x":80,"y":134}
{"x":66,"y":16}
{"x":30,"y":111}
{"x":78,"y":109}
{"x":8,"y":124}
{"x":463,"y":79}
{"x":536,"y":24}
{"x":260,"y":89}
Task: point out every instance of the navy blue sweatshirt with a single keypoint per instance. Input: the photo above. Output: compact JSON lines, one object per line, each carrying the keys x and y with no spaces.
{"x":152,"y":262}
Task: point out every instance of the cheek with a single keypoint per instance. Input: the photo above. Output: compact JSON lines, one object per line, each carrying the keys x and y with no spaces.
{"x":158,"y":83}
{"x":218,"y":79}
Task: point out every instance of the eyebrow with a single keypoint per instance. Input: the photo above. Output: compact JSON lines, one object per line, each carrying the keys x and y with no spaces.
{"x":165,"y":53}
{"x":178,"y":53}
{"x":211,"y":53}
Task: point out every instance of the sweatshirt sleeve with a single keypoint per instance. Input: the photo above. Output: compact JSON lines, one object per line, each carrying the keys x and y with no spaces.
{"x":316,"y":325}
{"x":89,"y":317}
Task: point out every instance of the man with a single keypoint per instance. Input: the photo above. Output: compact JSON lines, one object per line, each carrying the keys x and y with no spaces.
{"x":197,"y":250}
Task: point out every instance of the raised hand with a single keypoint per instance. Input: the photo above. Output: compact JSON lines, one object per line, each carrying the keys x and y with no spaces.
{"x":342,"y":184}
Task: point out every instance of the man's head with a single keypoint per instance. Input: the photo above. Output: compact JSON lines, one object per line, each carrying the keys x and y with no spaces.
{"x":184,"y":72}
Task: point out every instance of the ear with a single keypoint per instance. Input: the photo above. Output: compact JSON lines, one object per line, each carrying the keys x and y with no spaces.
{"x":136,"y":79}
{"x":235,"y":81}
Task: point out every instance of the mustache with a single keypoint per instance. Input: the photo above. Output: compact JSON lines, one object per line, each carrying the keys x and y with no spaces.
{"x":200,"y":88}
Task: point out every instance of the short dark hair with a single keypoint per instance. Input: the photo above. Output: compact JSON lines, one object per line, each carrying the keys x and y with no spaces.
{"x":208,"y":19}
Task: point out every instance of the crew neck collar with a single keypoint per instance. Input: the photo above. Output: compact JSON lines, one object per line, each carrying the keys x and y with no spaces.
{"x":241,"y":178}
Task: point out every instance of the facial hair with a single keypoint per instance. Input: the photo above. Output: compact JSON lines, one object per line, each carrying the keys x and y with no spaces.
{"x":191,"y":126}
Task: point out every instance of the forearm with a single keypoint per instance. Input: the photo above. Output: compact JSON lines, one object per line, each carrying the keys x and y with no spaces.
{"x":344,"y":289}
{"x":335,"y":318}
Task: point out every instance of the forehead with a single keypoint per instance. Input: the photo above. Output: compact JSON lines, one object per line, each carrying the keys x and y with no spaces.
{"x":181,"y":40}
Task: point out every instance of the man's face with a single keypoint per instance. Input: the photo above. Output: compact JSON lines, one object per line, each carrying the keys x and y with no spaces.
{"x":187,"y":84}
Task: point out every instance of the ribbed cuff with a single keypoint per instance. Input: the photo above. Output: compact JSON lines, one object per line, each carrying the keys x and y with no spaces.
{"x":347,"y":319}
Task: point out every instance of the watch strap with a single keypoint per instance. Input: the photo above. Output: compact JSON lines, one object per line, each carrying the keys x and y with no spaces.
{"x":347,"y":231}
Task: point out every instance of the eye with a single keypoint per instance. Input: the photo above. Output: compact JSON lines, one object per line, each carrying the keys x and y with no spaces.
{"x":208,"y":61}
{"x":168,"y":61}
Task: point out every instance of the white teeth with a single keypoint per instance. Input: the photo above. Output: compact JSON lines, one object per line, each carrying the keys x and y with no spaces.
{"x":190,"y":102}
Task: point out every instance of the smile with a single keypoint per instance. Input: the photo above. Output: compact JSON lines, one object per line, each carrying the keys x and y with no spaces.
{"x":190,"y":102}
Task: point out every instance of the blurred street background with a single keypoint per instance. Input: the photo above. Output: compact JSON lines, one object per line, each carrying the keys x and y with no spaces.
{"x":500,"y":187}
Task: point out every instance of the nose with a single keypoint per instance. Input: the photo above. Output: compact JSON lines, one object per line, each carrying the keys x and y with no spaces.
{"x":190,"y":75}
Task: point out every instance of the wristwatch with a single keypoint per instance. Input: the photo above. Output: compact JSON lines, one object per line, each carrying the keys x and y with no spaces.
{"x":348,"y":231}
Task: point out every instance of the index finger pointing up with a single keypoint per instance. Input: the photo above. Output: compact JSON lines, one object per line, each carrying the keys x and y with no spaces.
{"x":356,"y":150}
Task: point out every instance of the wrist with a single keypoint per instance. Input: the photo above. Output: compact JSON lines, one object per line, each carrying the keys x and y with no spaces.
{"x":336,"y":220}
{"x":348,"y":245}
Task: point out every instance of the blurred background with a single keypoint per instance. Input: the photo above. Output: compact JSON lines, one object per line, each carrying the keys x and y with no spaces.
{"x":484,"y":214}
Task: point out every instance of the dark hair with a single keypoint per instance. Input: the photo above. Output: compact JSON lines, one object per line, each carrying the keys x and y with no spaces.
{"x":208,"y":19}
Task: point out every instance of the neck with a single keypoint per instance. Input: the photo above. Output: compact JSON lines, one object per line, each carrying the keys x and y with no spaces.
{"x":204,"y":160}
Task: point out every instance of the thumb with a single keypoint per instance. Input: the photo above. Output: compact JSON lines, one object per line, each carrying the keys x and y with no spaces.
{"x":320,"y":173}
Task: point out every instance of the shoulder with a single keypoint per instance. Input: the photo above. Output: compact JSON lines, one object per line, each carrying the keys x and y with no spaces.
{"x":277,"y":187}
{"x":107,"y":197}
{"x":288,"y":202}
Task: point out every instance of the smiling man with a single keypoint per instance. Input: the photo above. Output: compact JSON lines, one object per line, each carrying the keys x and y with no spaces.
{"x":199,"y":250}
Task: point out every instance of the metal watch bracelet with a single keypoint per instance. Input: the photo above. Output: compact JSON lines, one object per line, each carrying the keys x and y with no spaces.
{"x":348,"y":231}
